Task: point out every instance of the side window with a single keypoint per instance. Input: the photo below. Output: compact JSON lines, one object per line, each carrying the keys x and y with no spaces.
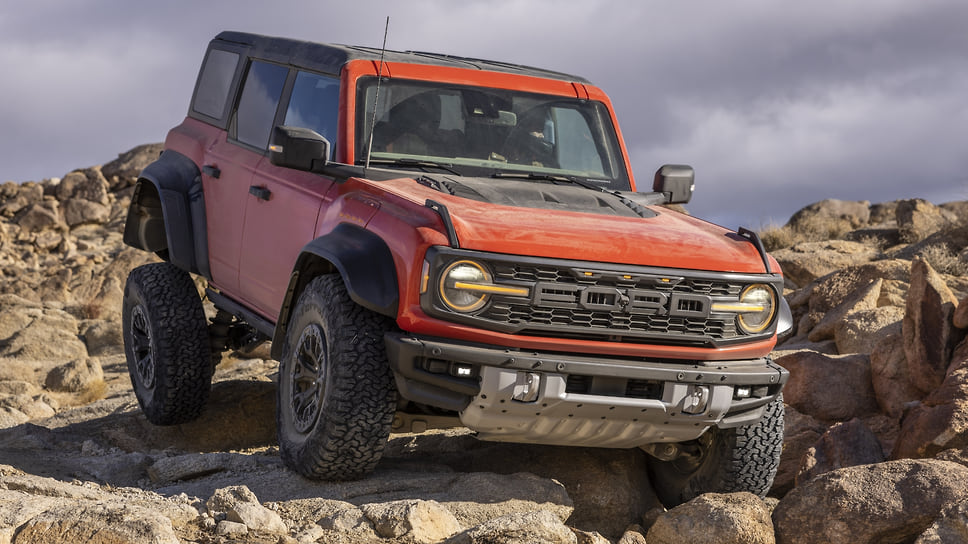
{"x":257,"y":106}
{"x":214,"y":82}
{"x":314,"y":104}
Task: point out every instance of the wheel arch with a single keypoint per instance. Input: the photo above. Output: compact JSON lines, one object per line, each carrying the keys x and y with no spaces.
{"x":360,"y":257}
{"x":167,"y":213}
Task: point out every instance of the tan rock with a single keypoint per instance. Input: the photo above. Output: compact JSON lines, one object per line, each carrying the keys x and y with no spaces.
{"x":75,"y":376}
{"x":886,"y":502}
{"x":843,"y":445}
{"x":862,"y":299}
{"x":735,"y":518}
{"x":111,"y":523}
{"x":831,"y":290}
{"x":807,"y":261}
{"x":891,"y":376}
{"x":960,"y":317}
{"x":800,"y":433}
{"x":940,"y":421}
{"x":917,"y":219}
{"x":927,"y":326}
{"x":537,"y":527}
{"x":951,"y":527}
{"x":863,"y":331}
{"x":829,"y":388}
{"x":419,"y":520}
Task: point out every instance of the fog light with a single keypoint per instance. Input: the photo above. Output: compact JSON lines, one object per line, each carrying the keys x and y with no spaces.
{"x":696,"y":400}
{"x":462,"y":370}
{"x":526,"y":387}
{"x":743,"y":392}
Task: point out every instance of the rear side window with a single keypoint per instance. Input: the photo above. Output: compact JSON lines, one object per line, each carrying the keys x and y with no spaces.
{"x":314,"y":104}
{"x":214,"y":82}
{"x":257,"y":106}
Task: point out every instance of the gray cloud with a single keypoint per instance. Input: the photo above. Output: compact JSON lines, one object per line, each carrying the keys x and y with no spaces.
{"x":776,"y":105}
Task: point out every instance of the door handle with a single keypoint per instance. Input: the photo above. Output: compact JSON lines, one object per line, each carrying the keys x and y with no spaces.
{"x":211,"y":171}
{"x":260,"y":192}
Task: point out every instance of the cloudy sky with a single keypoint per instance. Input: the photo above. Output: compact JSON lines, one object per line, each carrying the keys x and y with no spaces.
{"x":775,"y":104}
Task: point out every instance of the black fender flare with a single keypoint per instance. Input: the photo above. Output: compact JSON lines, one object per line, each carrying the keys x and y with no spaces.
{"x":361,"y":258}
{"x":177,"y":183}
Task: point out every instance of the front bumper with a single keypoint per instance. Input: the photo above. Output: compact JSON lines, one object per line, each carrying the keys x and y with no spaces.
{"x":580,"y":400}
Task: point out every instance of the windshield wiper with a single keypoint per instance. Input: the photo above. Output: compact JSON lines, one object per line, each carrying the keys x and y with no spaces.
{"x":550,"y":177}
{"x":413,"y":163}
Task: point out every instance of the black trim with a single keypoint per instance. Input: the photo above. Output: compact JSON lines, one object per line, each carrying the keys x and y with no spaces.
{"x":330,"y":58}
{"x":178,"y":184}
{"x":444,"y":214}
{"x":361,"y":258}
{"x":237,"y":309}
{"x":758,"y":244}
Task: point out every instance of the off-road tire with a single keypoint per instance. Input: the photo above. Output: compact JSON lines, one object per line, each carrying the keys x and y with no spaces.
{"x":166,"y":343}
{"x":336,"y":396}
{"x":730,"y":460}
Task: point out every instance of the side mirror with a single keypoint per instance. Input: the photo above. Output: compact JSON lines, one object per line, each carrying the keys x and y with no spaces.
{"x":297,"y":147}
{"x":676,"y":182}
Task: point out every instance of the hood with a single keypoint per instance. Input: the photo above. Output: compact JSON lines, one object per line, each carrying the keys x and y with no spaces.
{"x":539,"y":219}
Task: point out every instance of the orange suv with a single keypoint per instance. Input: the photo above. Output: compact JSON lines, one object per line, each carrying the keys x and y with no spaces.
{"x":432,"y":240}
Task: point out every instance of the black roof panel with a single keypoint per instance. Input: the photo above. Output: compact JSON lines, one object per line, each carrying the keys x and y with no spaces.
{"x":330,"y":58}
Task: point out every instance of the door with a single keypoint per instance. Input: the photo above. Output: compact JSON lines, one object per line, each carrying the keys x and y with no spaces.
{"x":283,"y":204}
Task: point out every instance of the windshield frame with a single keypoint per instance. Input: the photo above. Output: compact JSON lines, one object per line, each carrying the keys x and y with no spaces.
{"x":494,"y":113}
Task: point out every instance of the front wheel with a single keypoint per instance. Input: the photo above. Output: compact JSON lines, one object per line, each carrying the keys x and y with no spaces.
{"x":724,"y":461}
{"x":166,"y":343}
{"x":336,"y":395}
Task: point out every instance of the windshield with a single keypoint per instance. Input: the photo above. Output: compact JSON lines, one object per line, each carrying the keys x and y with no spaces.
{"x":479,"y":131}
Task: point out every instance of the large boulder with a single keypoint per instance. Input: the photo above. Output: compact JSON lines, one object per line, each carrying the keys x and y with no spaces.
{"x":863,"y":331}
{"x":929,"y":335}
{"x":891,"y":375}
{"x":884,"y":503}
{"x":124,"y":170}
{"x":808,"y":261}
{"x":829,"y":388}
{"x":833,"y":289}
{"x":539,"y":527}
{"x":917,"y":219}
{"x":843,"y":445}
{"x":800,"y":433}
{"x":831,"y":216}
{"x":713,"y":518}
{"x":862,"y":299}
{"x":940,"y":421}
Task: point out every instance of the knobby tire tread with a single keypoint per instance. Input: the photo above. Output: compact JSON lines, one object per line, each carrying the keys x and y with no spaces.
{"x":180,"y":348}
{"x":354,"y":422}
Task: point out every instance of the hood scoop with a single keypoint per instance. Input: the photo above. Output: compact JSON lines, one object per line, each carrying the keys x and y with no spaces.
{"x":537,"y":195}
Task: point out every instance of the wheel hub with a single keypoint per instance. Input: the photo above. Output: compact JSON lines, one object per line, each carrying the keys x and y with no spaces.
{"x":308,"y":378}
{"x":141,"y":347}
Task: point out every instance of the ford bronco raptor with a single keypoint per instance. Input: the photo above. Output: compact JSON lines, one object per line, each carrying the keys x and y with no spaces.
{"x":428,"y":239}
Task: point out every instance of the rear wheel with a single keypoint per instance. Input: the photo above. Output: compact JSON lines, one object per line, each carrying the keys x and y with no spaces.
{"x":724,"y":461}
{"x":336,"y":395}
{"x":166,"y":343}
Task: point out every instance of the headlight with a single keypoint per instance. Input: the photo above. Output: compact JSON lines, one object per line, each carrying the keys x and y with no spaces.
{"x":457,"y":286}
{"x":465,"y":286}
{"x":759,"y":307}
{"x":755,"y":309}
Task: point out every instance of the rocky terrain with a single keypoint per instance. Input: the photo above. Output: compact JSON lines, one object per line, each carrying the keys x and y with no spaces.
{"x":876,"y":447}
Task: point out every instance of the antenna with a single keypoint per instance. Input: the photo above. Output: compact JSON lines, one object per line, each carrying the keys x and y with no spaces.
{"x":376,"y":99}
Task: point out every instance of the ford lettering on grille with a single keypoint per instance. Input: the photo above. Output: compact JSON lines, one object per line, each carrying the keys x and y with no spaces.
{"x":629,"y":301}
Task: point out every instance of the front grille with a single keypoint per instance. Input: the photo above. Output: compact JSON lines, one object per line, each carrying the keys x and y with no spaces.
{"x":605,"y":302}
{"x":561,"y":310}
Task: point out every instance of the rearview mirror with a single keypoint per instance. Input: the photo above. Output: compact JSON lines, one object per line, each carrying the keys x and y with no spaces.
{"x":676,"y":182}
{"x":299,"y":148}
